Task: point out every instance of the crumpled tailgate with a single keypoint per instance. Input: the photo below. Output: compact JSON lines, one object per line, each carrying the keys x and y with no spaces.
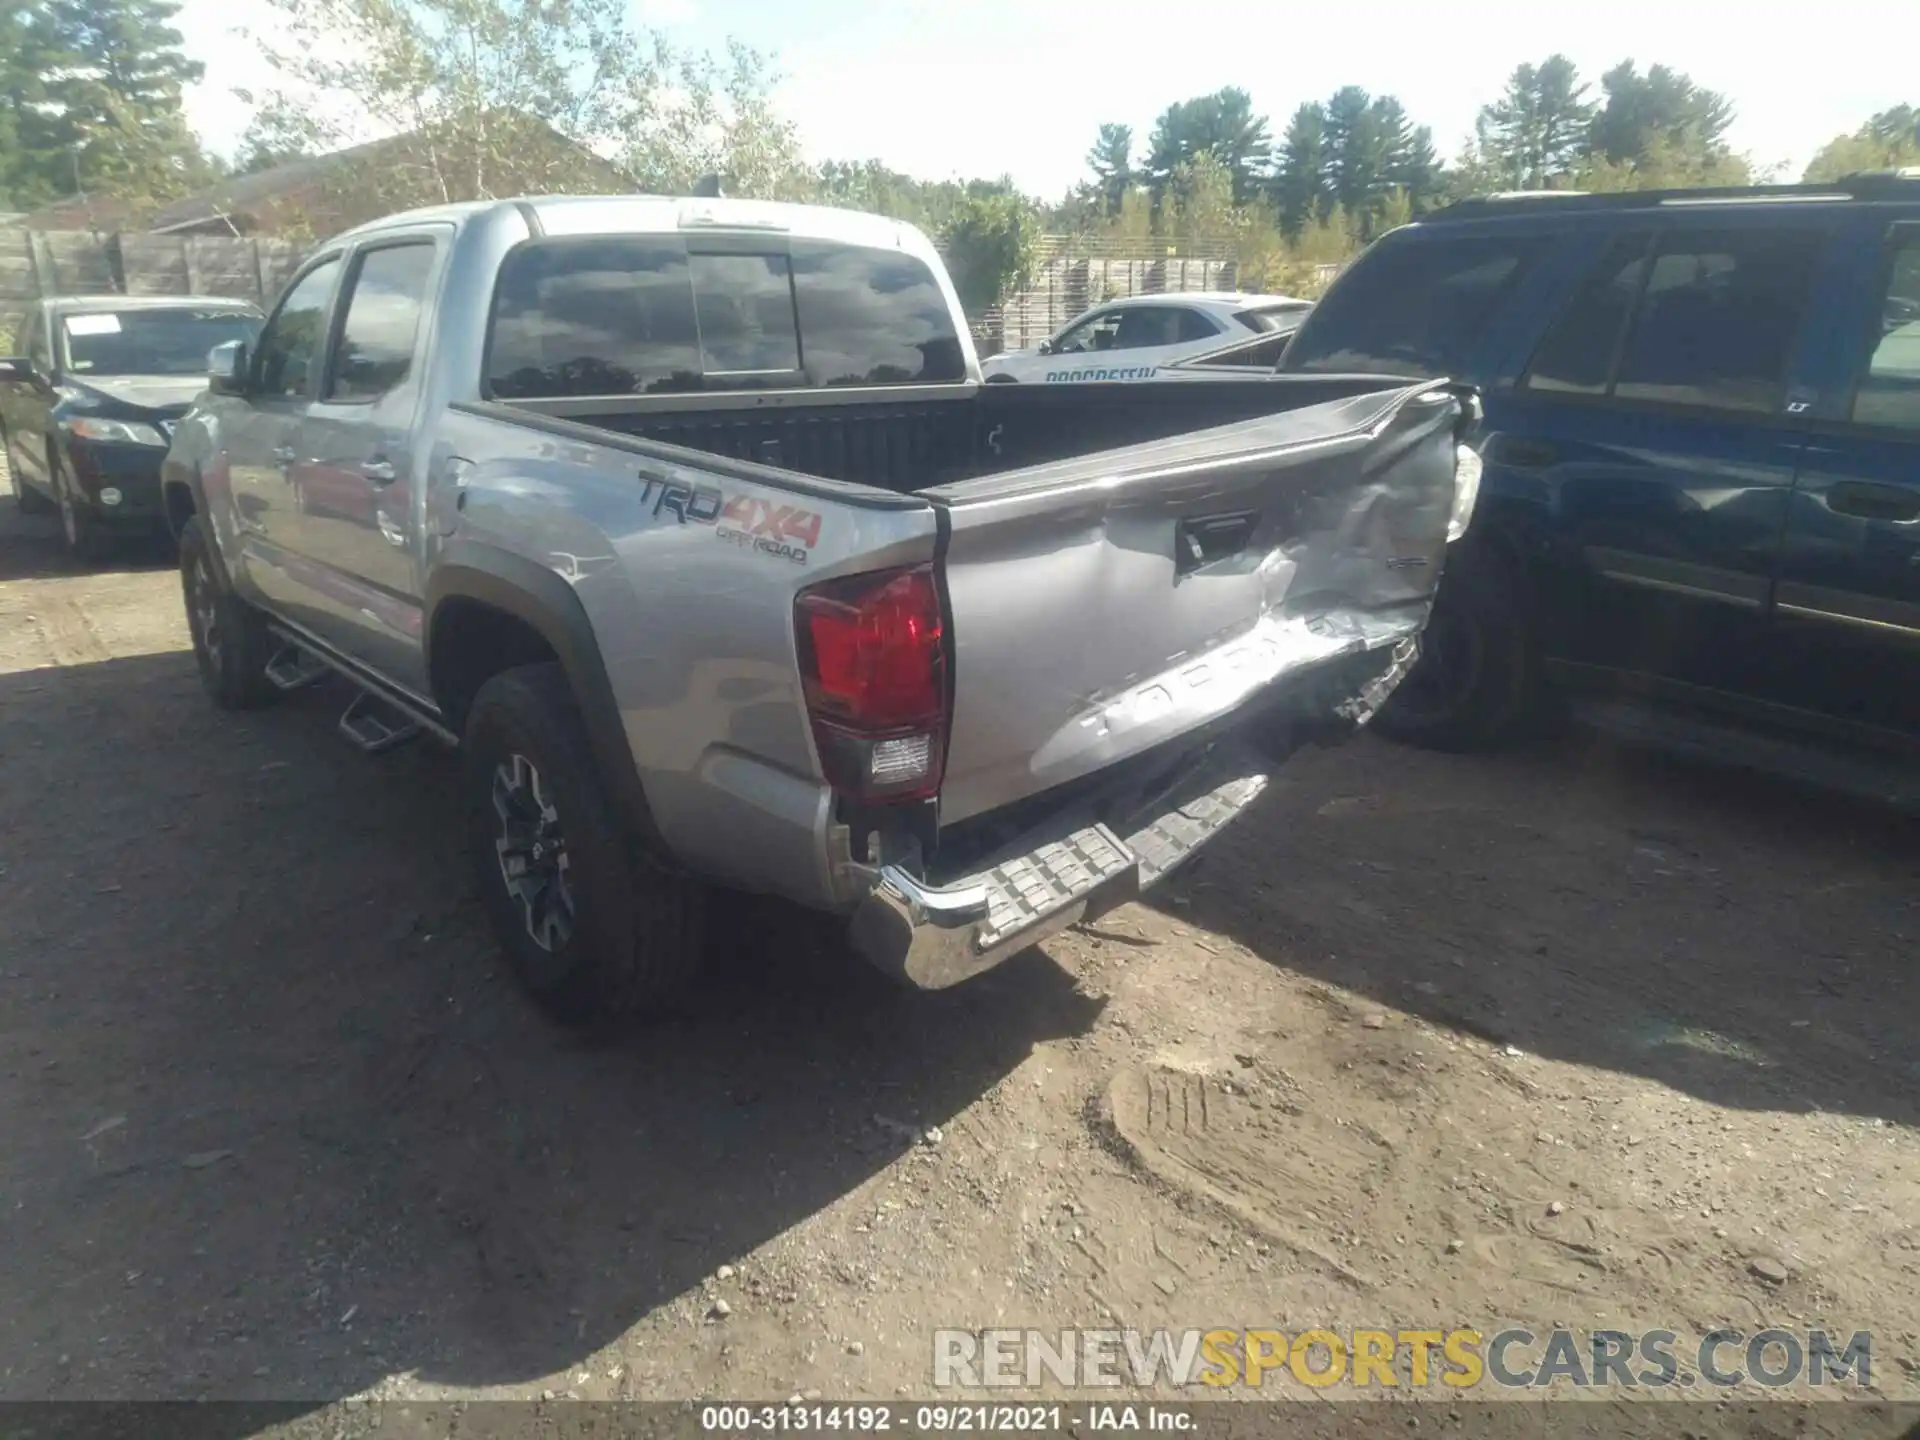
{"x":1106,"y":604}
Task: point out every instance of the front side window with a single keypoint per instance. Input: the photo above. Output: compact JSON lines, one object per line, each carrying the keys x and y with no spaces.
{"x":1889,"y":392}
{"x":1413,"y":304}
{"x":1095,"y":333}
{"x":36,"y":346}
{"x":291,"y":344}
{"x":156,"y":341}
{"x":377,"y":337}
{"x":1717,"y":319}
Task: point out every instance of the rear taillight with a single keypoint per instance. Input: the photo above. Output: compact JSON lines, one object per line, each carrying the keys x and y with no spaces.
{"x":873,"y":659}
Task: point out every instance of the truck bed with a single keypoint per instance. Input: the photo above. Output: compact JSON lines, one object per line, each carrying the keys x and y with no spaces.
{"x":907,"y":440}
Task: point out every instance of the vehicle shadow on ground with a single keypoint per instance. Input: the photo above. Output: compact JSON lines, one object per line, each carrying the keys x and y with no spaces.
{"x":276,"y":1124}
{"x":1736,"y":937}
{"x":32,"y":548}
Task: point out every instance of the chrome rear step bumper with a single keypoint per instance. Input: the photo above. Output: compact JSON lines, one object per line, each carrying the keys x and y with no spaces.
{"x":935,"y":936}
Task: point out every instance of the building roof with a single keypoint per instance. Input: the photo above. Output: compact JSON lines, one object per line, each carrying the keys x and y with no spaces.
{"x":252,"y":197}
{"x":244,"y":194}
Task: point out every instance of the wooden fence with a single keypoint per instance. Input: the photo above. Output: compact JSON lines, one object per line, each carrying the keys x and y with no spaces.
{"x":85,"y":262}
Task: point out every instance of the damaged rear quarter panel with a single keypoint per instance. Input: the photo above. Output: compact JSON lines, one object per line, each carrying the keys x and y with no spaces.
{"x":688,"y":576}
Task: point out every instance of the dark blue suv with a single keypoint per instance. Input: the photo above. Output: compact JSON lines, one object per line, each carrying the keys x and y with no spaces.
{"x":1702,"y":451}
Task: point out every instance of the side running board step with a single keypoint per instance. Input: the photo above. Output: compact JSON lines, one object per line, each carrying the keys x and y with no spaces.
{"x":294,"y":669}
{"x":373,"y":727}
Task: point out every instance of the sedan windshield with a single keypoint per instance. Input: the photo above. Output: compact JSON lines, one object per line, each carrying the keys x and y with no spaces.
{"x":151,"y":342}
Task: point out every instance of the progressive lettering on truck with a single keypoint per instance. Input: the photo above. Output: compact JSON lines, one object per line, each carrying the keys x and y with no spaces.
{"x":1128,"y":372}
{"x":766,"y":527}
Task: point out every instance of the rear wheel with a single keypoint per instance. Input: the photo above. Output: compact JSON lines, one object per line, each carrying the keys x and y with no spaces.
{"x":597,"y":931}
{"x":85,"y":533}
{"x":1475,"y":683}
{"x":231,"y":644}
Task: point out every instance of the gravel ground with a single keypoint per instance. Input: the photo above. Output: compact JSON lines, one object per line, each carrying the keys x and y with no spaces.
{"x":1552,"y":1037}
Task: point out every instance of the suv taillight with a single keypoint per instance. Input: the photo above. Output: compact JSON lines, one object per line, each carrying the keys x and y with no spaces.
{"x":874,"y":663}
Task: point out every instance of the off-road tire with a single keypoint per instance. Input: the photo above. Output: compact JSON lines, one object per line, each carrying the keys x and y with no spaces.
{"x":231,"y":643}
{"x":1477,"y":681}
{"x":635,"y":928}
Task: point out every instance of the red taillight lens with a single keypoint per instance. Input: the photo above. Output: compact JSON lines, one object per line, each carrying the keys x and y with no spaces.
{"x":873,"y":659}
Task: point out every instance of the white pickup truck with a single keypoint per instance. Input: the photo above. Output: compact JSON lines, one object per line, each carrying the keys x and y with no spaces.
{"x":693,"y":524}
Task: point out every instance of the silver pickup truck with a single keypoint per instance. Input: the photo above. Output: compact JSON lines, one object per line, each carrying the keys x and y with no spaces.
{"x":692,"y":524}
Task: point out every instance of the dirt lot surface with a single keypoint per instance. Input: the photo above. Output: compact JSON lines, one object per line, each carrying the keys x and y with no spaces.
{"x":1546,"y":1038}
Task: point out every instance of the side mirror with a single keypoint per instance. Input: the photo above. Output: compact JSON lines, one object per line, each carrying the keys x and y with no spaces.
{"x":1045,"y":347}
{"x":227,"y":368}
{"x":20,"y":368}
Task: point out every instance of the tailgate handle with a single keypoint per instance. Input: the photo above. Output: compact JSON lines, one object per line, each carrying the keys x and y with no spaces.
{"x":1202,"y":539}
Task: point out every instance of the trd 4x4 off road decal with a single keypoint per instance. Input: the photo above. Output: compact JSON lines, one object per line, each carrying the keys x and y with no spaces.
{"x":766,"y":527}
{"x":785,"y":531}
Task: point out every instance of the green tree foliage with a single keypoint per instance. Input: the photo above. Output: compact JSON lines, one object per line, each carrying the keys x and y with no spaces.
{"x":1537,"y":132}
{"x":1111,"y":161}
{"x":717,"y":117}
{"x":476,"y":80}
{"x":1300,"y":168}
{"x":1356,"y":150}
{"x":90,"y":91}
{"x":1222,"y":125}
{"x":1662,"y":107}
{"x":511,"y":96}
{"x":990,"y":246}
{"x":1888,"y":139}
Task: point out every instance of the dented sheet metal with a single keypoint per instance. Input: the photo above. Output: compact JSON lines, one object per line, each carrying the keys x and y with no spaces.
{"x":1107,"y":604}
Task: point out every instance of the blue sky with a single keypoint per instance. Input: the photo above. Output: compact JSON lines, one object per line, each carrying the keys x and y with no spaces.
{"x":984,"y":87}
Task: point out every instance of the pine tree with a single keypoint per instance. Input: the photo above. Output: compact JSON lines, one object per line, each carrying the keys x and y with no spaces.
{"x":1299,"y":180}
{"x":1111,"y":161}
{"x":1537,"y":131}
{"x":100,"y":112}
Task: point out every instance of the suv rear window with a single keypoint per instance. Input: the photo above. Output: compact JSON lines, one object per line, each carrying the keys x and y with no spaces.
{"x":639,"y":315}
{"x":1412,"y":304}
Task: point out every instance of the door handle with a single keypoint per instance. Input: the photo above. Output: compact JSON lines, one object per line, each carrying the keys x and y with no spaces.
{"x":1864,"y":500}
{"x":380,"y":472}
{"x":283,"y":454}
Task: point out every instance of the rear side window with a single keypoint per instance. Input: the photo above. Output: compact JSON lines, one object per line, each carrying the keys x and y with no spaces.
{"x":638,"y":315}
{"x":1717,"y":320}
{"x":1889,"y":393}
{"x":594,"y":317}
{"x":1576,"y":354}
{"x":1412,"y":304}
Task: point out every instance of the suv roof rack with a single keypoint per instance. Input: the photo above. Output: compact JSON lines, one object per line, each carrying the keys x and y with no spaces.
{"x":1902,"y":183}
